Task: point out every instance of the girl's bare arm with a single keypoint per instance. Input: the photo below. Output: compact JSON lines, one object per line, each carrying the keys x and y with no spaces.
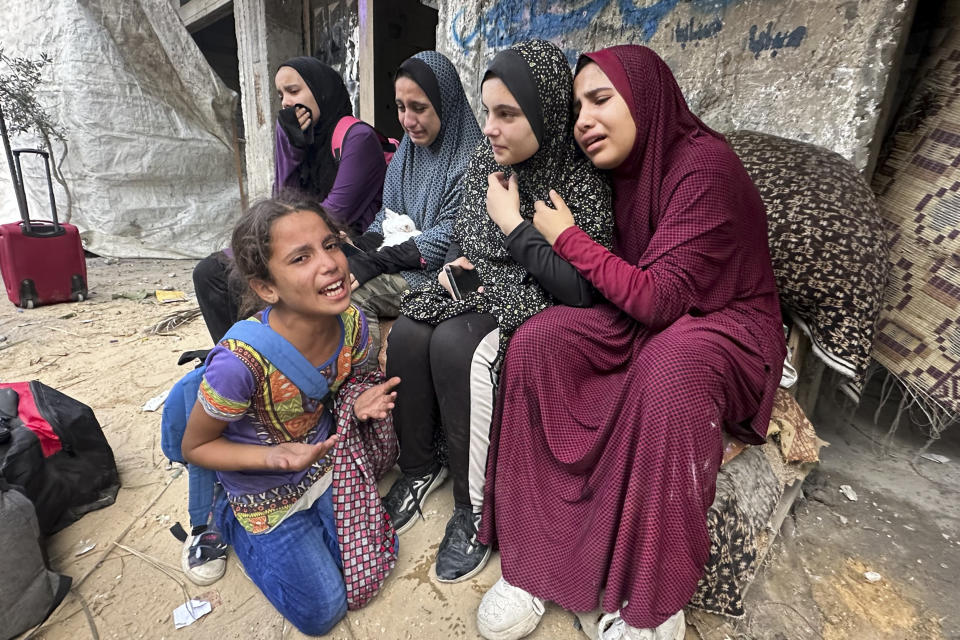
{"x":204,"y":445}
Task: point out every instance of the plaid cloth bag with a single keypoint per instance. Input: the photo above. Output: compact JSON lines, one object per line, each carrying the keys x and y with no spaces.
{"x":366,"y":451}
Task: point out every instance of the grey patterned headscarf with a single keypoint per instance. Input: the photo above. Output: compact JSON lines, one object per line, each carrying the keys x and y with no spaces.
{"x":426,"y":182}
{"x":510,"y":293}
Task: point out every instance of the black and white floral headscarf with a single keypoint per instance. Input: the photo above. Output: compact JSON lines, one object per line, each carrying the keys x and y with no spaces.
{"x":510,"y":293}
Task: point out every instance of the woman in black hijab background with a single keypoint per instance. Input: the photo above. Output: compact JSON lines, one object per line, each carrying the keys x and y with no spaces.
{"x":347,"y":181}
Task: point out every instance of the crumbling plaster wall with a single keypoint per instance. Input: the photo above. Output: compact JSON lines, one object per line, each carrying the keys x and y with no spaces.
{"x":814,"y":70}
{"x":335,"y":34}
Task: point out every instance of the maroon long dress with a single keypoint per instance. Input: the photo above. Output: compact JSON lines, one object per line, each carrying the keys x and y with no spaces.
{"x":608,"y":433}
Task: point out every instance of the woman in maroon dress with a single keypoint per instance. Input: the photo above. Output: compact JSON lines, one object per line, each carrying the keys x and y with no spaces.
{"x":611,"y":417}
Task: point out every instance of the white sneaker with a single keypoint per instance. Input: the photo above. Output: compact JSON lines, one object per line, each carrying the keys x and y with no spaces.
{"x":508,"y":612}
{"x":204,"y":557}
{"x":613,"y":627}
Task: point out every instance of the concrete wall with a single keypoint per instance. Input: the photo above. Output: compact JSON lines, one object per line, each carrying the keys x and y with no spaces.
{"x":401,"y":29}
{"x":268,"y":32}
{"x":814,"y":70}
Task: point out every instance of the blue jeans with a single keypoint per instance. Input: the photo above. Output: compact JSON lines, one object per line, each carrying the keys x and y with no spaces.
{"x":297,"y":565}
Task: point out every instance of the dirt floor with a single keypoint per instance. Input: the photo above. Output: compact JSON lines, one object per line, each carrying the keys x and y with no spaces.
{"x":905,"y":524}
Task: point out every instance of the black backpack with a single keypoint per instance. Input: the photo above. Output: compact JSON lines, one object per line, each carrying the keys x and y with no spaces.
{"x":52,"y":447}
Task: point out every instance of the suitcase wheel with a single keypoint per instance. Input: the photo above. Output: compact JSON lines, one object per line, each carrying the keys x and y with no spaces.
{"x":78,"y":288}
{"x":28,"y":294}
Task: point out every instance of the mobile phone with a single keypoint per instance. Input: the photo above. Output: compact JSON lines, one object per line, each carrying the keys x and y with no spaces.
{"x":454,"y":290}
{"x":462,"y":281}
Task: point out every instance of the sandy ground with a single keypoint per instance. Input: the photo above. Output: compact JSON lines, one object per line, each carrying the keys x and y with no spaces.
{"x":905,"y":524}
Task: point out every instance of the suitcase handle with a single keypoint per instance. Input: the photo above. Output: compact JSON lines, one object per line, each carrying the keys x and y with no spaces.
{"x":28,"y":228}
{"x":42,"y":229}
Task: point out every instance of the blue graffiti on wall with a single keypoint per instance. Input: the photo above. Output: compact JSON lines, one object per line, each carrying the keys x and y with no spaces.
{"x":767,"y":40}
{"x":510,"y":21}
{"x":685,"y":33}
{"x":503,"y":24}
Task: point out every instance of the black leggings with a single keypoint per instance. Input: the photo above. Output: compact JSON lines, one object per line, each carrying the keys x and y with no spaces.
{"x":219,"y":299}
{"x":447,"y":378}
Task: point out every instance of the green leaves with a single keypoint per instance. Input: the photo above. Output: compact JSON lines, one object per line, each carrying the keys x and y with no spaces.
{"x":19,"y":78}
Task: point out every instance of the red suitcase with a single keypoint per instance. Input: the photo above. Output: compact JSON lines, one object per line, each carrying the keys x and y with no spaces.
{"x":41,"y":261}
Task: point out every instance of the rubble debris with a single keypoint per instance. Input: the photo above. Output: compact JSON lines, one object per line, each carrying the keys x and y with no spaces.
{"x":848,"y":492}
{"x":189,"y":612}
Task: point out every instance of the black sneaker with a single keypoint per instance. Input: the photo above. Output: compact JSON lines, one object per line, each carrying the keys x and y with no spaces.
{"x":406,"y":495}
{"x":461,"y":553}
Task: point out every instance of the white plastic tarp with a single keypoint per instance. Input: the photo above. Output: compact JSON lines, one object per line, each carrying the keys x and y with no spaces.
{"x":150,"y":160}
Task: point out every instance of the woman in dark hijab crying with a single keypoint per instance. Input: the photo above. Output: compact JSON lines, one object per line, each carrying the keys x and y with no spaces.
{"x":345,"y":176}
{"x":314,"y":100}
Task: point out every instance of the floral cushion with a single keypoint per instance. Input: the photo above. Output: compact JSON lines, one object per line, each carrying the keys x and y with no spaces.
{"x":826,"y":242}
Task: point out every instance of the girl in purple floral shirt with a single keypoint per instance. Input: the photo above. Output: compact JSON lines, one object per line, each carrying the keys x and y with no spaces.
{"x":301,"y":506}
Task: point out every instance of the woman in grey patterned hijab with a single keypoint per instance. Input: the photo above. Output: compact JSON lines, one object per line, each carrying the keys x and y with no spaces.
{"x":446,"y":350}
{"x":424,"y":181}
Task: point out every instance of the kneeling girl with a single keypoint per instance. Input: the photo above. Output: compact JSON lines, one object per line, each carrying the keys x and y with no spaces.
{"x":286,"y":473}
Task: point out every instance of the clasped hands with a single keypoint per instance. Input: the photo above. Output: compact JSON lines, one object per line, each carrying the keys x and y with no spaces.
{"x":503,"y":207}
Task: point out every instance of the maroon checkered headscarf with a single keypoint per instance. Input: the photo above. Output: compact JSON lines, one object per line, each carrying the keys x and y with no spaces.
{"x":662,"y":118}
{"x":663,"y":173}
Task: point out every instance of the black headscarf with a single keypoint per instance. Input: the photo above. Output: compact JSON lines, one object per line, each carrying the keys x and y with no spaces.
{"x":318,"y":170}
{"x":516,"y":74}
{"x":421,"y":73}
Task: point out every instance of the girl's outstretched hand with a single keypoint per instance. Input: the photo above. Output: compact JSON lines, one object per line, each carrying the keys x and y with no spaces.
{"x":552,"y":222}
{"x":376,"y":402}
{"x":297,"y":456}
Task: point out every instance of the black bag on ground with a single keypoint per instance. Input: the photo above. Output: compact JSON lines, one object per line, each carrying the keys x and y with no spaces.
{"x":56,"y":451}
{"x":29,"y":591}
